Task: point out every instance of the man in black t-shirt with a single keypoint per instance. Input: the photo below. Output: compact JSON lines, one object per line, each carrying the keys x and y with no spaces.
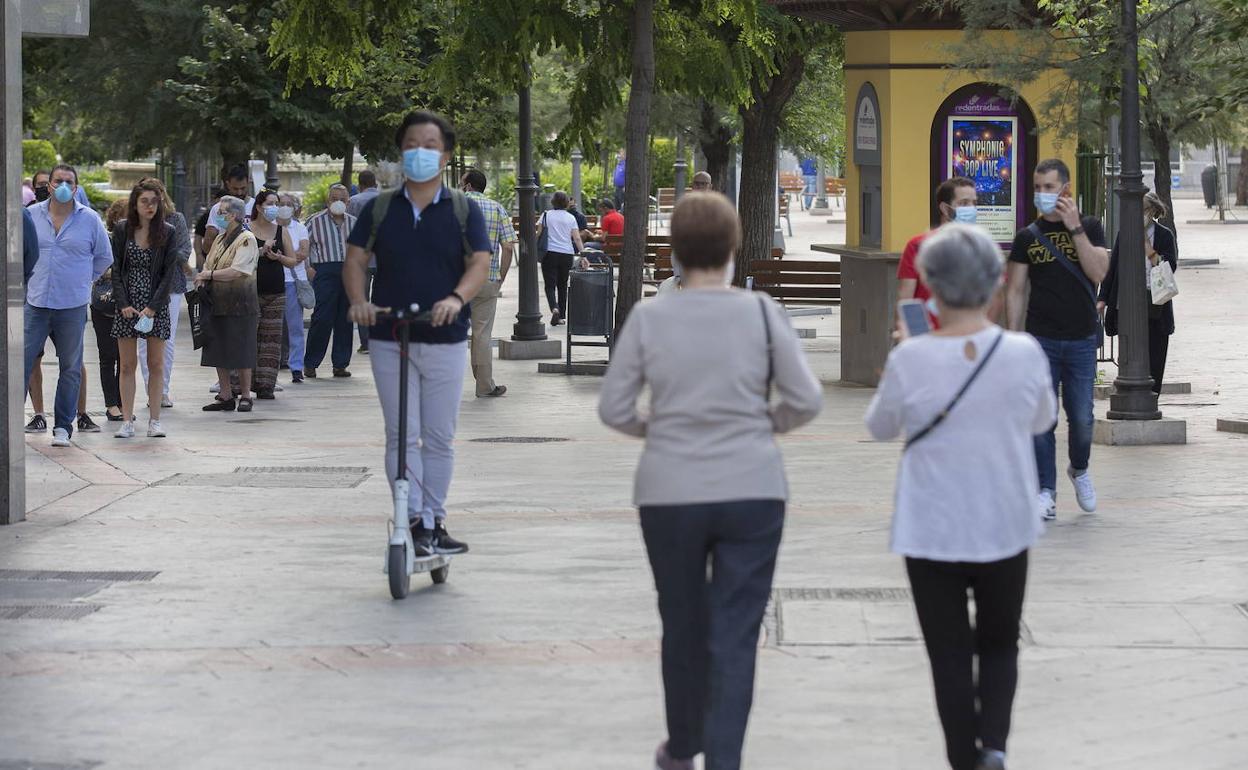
{"x":1061,"y":314}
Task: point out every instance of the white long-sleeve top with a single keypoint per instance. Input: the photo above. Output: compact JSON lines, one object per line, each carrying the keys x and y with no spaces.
{"x":968,"y":491}
{"x":709,"y":431}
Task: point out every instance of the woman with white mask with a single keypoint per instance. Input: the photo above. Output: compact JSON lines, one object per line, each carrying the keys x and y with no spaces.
{"x":276,"y":252}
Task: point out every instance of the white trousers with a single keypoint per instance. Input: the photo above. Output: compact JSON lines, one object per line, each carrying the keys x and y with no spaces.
{"x":435,"y":385}
{"x":175,"y":312}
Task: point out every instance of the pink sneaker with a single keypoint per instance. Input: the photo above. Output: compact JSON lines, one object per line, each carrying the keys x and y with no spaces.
{"x":664,"y":761}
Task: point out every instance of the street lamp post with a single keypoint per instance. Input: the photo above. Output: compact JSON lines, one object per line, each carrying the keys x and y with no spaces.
{"x":577,"y":157}
{"x":1133,"y":397}
{"x":528,"y":324}
{"x":680,"y":166}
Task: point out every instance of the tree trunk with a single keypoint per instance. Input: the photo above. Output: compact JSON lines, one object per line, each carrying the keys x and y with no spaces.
{"x":760,"y":131}
{"x":1241,"y":181}
{"x":637,"y":165}
{"x":715,"y":140}
{"x":347,"y":160}
{"x":1160,"y":140}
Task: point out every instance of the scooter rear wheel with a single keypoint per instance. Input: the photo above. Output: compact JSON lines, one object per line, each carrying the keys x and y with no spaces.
{"x":396,"y":568}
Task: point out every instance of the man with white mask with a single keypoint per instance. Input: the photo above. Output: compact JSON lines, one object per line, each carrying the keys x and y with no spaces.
{"x":1062,"y":256}
{"x":432,"y":250}
{"x":327,"y":243}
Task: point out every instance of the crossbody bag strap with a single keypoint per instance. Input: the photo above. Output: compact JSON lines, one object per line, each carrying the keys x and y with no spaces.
{"x":943,"y":413}
{"x":1062,"y":259}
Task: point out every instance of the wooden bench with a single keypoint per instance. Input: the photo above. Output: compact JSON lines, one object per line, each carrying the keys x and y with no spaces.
{"x":797,"y":281}
{"x":784,"y":212}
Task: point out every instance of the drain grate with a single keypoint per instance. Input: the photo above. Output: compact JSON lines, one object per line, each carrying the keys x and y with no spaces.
{"x":254,"y":420}
{"x":842,"y":594}
{"x":102,"y":576}
{"x":47,"y":611}
{"x":519,"y":440}
{"x":25,"y":764}
{"x":301,"y":469}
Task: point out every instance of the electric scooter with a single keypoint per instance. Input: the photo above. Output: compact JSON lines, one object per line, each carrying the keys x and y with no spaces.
{"x":401,"y":559}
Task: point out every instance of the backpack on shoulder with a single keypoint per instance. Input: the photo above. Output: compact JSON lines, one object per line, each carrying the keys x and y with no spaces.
{"x":381,"y":206}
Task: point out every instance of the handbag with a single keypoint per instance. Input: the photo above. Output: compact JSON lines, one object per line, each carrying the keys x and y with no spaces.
{"x":1077,"y":272}
{"x":199,"y":309}
{"x":102,"y":296}
{"x":543,"y":240}
{"x":1161,"y":283}
{"x":943,"y":413}
{"x":305,"y":294}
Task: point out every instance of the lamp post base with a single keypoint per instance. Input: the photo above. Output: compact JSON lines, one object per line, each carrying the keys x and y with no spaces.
{"x":1139,"y":432}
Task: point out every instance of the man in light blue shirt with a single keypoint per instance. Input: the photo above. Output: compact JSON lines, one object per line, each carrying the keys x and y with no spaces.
{"x":74,"y":250}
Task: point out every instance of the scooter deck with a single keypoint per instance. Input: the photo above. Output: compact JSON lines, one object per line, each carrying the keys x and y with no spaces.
{"x":430,"y":563}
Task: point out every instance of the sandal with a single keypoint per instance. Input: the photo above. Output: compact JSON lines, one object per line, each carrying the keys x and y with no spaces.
{"x":245,"y":404}
{"x":220,"y":405}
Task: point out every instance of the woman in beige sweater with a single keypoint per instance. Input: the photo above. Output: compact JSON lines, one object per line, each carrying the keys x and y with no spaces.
{"x":710,"y":484}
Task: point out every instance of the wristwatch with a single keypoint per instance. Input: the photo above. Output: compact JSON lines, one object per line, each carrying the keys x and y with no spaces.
{"x":1078,"y":230}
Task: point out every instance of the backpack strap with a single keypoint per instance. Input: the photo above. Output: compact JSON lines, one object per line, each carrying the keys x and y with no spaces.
{"x":459,"y":201}
{"x":1062,"y":259}
{"x":381,"y":206}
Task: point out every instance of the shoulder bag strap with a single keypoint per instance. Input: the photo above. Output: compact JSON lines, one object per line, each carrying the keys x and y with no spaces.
{"x":771,"y":364}
{"x":1062,"y":259}
{"x":940,"y":416}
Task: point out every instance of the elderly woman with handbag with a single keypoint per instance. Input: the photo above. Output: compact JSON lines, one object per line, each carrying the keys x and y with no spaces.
{"x":146,"y":264}
{"x":229,"y":276}
{"x":1159,"y":246}
{"x":968,"y":397}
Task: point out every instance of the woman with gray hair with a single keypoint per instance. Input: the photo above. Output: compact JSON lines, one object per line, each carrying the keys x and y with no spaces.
{"x":968,"y":398}
{"x":229,"y":281}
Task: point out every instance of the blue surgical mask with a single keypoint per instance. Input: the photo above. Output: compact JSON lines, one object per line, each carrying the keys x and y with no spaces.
{"x":270,"y":213}
{"x":420,"y":164}
{"x":1046,"y":203}
{"x":967,"y":215}
{"x":219,"y":222}
{"x":64,"y":192}
{"x":144,"y":324}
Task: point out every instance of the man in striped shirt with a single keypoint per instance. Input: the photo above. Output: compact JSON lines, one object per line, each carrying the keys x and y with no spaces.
{"x":502,"y":243}
{"x":327,"y":241}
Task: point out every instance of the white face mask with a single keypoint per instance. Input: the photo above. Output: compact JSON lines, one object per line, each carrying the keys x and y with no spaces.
{"x":285,"y":212}
{"x":337,"y":208}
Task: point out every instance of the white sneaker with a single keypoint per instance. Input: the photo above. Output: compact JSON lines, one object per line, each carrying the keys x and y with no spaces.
{"x":1084,"y":491}
{"x":60,"y":437}
{"x":165,"y":403}
{"x":153,"y":429}
{"x":215,"y":388}
{"x":126,"y":430}
{"x":1048,"y":505}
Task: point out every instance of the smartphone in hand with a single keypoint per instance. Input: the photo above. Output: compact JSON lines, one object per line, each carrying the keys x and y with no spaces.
{"x":913,"y":315}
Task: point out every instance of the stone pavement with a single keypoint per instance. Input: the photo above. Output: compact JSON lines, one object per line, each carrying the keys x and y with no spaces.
{"x":165,"y":608}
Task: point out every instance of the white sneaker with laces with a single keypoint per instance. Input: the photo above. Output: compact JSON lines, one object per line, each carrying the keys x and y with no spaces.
{"x":154,"y":430}
{"x":1048,"y":505}
{"x":1084,"y":491}
{"x":126,"y":430}
{"x":60,"y":437}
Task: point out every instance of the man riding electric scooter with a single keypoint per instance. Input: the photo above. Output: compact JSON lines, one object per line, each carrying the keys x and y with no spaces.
{"x":432,"y":250}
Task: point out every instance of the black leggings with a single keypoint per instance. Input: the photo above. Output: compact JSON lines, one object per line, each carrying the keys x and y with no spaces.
{"x":110,"y":357}
{"x":555,"y":269}
{"x":1158,"y":347}
{"x":940,"y":590}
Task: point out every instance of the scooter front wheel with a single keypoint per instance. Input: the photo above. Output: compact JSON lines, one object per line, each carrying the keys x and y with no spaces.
{"x":396,"y":568}
{"x":439,"y":575}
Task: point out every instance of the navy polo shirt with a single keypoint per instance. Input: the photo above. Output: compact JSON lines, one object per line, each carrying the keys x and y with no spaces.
{"x":420,"y":261}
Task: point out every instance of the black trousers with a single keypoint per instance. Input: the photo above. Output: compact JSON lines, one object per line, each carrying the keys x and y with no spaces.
{"x":711,"y":618}
{"x":940,"y":590}
{"x":110,"y":357}
{"x":555,"y":269}
{"x":1158,"y":347}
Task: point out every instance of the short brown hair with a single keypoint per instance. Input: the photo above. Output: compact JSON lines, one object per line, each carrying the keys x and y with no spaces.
{"x":948,"y":188}
{"x":705,"y":231}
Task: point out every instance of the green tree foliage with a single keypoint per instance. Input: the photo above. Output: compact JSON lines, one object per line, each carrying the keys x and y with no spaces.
{"x":37,"y":155}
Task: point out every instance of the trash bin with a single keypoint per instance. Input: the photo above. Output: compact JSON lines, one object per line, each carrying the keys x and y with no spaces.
{"x":1209,"y":184}
{"x":591,"y":304}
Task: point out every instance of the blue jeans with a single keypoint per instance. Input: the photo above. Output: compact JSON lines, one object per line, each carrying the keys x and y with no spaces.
{"x":65,"y":327}
{"x":1072,"y":364}
{"x":711,"y":623}
{"x":329,"y":318}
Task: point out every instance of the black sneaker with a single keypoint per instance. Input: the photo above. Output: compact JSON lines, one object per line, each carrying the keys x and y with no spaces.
{"x":86,"y":424}
{"x":422,"y":539}
{"x":296,"y":375}
{"x":37,"y":424}
{"x":444,"y":543}
{"x":310,"y":373}
{"x":341,"y":373}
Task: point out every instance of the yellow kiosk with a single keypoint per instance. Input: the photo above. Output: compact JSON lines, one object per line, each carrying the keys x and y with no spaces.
{"x":913,"y":121}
